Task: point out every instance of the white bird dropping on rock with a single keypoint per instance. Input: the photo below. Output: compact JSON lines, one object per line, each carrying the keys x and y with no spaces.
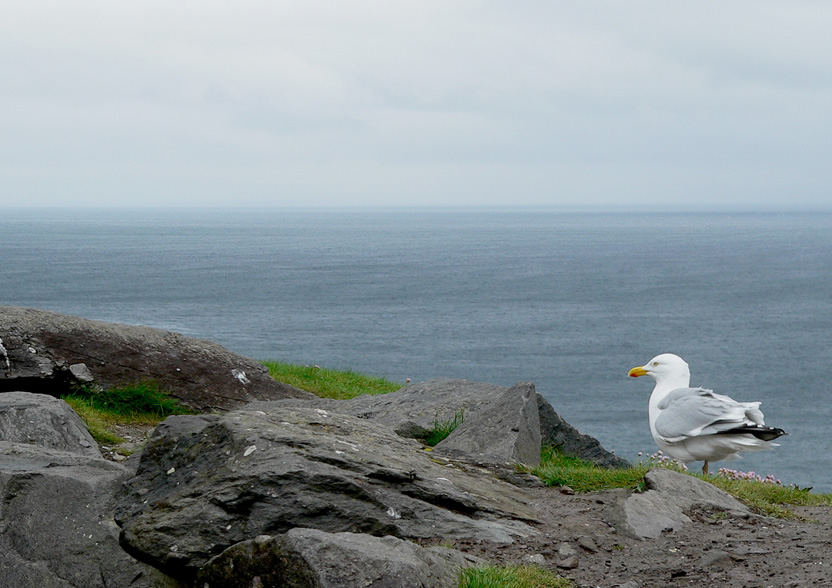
{"x":241,"y":376}
{"x":5,"y":356}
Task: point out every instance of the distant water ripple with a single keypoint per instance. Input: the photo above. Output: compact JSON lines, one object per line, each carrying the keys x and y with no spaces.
{"x":567,"y":301}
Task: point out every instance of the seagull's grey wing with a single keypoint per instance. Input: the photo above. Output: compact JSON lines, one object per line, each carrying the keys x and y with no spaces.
{"x":689,"y":412}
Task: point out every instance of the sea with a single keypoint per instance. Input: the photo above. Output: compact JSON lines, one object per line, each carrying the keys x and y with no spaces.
{"x":567,"y":300}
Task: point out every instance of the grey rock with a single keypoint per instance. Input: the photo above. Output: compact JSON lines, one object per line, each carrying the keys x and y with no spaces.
{"x":715,"y":558}
{"x":5,"y":357}
{"x":569,"y":563}
{"x":740,"y":577}
{"x":662,"y":507}
{"x":566,"y":549}
{"x":57,"y":529}
{"x":557,"y":432}
{"x":587,"y":543}
{"x":506,"y":430}
{"x":45,"y":421}
{"x":205,"y":483}
{"x":42,"y":346}
{"x":415,"y":409}
{"x":536,"y":559}
{"x":81,"y":372}
{"x":316,"y":559}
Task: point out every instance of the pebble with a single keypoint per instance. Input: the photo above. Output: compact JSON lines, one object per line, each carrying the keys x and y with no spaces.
{"x":738,"y":575}
{"x":717,"y":557}
{"x":588,"y":543}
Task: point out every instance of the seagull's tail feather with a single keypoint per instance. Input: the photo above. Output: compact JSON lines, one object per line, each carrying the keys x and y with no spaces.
{"x":760,"y":432}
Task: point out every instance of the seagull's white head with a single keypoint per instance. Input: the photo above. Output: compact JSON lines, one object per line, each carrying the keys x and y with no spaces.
{"x":665,"y":368}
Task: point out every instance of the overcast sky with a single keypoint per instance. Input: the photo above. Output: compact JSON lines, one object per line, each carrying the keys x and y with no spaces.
{"x":250,"y":103}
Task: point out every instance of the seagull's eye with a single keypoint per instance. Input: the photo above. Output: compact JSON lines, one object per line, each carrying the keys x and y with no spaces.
{"x":655,"y":364}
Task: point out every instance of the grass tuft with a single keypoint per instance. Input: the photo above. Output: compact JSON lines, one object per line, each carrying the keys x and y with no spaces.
{"x":142,"y":399}
{"x":100,"y":425}
{"x":329,"y":383}
{"x":441,"y":429}
{"x":102,"y":410}
{"x":557,"y":469}
{"x":766,"y":498}
{"x":511,"y":577}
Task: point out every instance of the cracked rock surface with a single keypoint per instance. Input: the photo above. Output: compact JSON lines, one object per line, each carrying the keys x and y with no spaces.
{"x":206,"y":483}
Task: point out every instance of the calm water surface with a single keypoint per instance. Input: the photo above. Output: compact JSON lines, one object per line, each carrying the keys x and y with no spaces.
{"x":567,"y":301}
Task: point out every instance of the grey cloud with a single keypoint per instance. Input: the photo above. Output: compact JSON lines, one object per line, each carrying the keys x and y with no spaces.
{"x":561,"y":103}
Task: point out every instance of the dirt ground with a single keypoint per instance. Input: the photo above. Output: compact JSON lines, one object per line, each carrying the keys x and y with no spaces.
{"x":715,"y":549}
{"x":135,"y":436}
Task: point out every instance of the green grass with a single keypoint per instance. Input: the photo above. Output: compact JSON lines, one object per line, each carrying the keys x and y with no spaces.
{"x":329,"y":383}
{"x":769,"y":499}
{"x":141,"y":399}
{"x":557,"y":469}
{"x":142,"y":403}
{"x":345,"y":385}
{"x":100,"y":425}
{"x":511,"y":577}
{"x":441,"y":429}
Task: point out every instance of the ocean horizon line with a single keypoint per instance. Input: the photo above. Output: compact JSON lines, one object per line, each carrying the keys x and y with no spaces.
{"x":502,"y":209}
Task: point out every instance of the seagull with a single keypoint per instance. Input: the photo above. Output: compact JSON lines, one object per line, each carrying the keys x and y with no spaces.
{"x":695,"y":424}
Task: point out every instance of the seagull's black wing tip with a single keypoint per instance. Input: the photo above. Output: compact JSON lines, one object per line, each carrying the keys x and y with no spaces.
{"x":759,"y":431}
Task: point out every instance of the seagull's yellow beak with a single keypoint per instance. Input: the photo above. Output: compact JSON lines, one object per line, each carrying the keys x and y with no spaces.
{"x":637,"y":371}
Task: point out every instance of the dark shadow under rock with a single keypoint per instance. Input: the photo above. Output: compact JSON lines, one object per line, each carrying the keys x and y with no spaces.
{"x":558,"y":433}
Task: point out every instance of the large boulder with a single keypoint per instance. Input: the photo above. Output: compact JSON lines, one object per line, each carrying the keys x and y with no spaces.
{"x":316,"y":559}
{"x":507,"y":430}
{"x":44,"y":421}
{"x":663,"y":506}
{"x":414,"y":410}
{"x":49,"y":352}
{"x":57,"y":496}
{"x":57,"y":528}
{"x":206,"y":483}
{"x":497,"y":425}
